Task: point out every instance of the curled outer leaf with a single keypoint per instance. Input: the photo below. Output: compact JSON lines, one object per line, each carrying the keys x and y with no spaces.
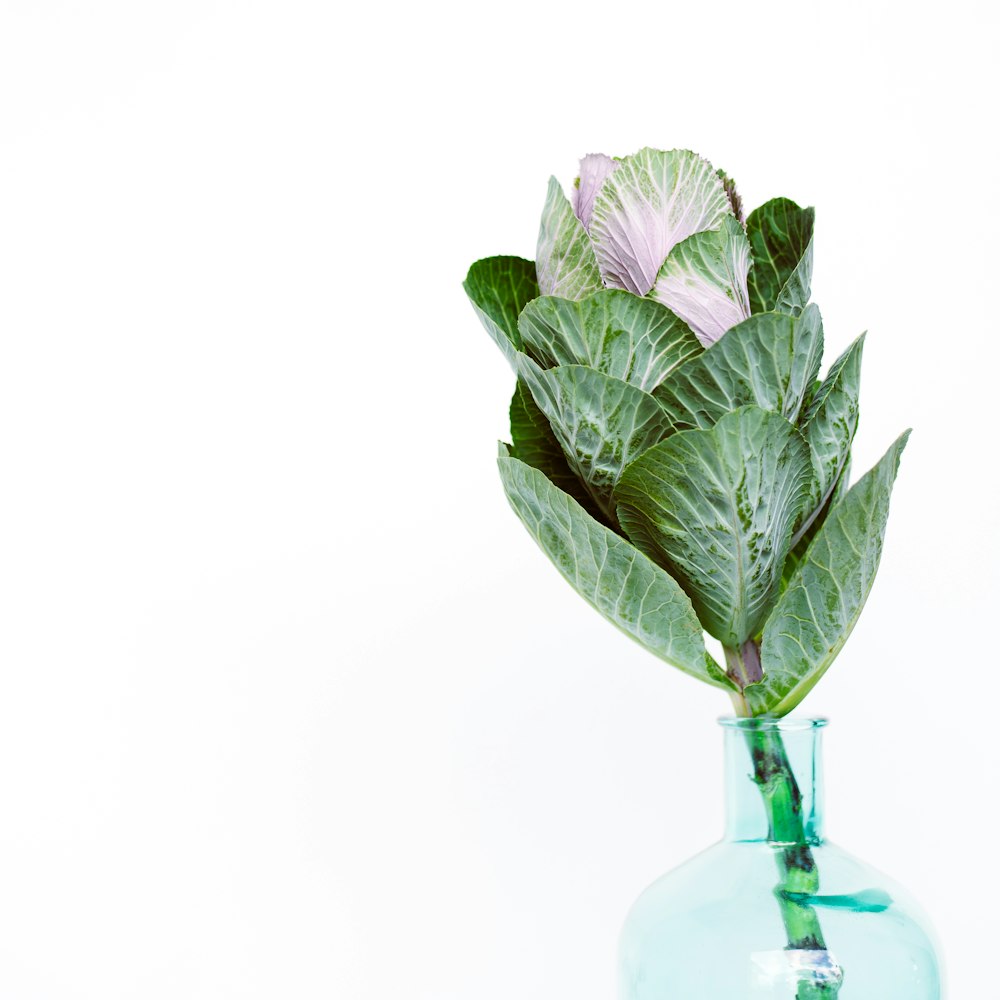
{"x":652,"y":201}
{"x":769,"y":360}
{"x":499,"y":288}
{"x":634,"y":339}
{"x":611,"y":574}
{"x":717,"y":509}
{"x":704,"y":280}
{"x":823,"y":600}
{"x":564,"y":259}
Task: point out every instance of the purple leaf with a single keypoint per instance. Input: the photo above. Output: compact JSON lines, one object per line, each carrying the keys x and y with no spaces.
{"x":651,"y":202}
{"x":594,"y":167}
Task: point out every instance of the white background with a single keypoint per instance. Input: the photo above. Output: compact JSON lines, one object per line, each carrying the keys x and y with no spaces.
{"x":291,"y":706}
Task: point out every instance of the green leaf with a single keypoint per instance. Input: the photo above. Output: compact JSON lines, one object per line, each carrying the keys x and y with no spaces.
{"x":704,"y":280}
{"x":832,"y":417}
{"x":499,"y":288}
{"x":768,"y":360}
{"x":565,"y":258}
{"x":617,"y":333}
{"x":536,"y":445}
{"x":795,"y":292}
{"x":824,"y":598}
{"x":613,"y":576}
{"x":602,"y":423}
{"x":810,"y":527}
{"x":780,"y":235}
{"x":717,"y":508}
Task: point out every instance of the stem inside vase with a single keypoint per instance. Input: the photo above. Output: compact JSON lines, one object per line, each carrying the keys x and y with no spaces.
{"x":797,"y":870}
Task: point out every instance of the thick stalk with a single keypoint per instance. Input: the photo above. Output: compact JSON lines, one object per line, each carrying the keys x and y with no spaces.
{"x":798,"y":874}
{"x":782,"y":798}
{"x":743,"y":664}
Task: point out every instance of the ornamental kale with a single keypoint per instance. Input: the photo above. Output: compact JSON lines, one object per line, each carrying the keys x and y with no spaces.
{"x":673,"y":449}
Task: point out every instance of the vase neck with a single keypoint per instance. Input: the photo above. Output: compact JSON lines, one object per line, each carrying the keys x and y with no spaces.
{"x":774,"y":780}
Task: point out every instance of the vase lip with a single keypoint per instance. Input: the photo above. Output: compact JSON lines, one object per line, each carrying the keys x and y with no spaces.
{"x":784,"y":724}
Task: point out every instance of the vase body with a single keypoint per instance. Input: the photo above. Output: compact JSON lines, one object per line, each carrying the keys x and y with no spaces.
{"x":775,"y":911}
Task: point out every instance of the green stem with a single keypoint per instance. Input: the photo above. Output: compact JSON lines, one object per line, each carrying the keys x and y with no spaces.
{"x":779,"y":789}
{"x":798,"y":874}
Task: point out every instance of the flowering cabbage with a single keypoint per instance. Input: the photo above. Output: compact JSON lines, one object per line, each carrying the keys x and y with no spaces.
{"x":674,"y":450}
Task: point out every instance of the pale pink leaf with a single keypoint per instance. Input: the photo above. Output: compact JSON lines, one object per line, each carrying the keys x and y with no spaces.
{"x":594,"y":168}
{"x":652,"y":201}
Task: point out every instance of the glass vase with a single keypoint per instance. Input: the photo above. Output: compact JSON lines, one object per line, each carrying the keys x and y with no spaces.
{"x":774,"y":910}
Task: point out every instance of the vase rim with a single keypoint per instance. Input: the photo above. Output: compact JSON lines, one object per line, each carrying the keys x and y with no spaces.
{"x":784,"y":725}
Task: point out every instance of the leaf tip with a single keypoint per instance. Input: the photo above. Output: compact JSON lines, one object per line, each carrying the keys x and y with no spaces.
{"x":891,"y":459}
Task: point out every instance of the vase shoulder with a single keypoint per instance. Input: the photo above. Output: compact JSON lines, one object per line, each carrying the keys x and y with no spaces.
{"x":711,"y":929}
{"x":775,"y":911}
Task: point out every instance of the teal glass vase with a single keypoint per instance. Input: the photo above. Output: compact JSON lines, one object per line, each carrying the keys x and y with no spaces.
{"x":774,"y":910}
